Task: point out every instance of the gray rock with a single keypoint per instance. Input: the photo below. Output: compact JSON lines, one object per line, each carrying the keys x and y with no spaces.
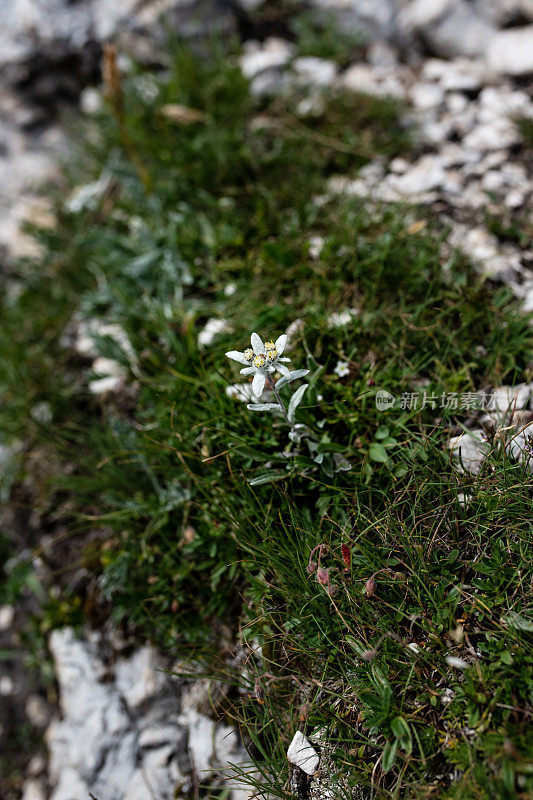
{"x":514,"y":199}
{"x":425,"y":174}
{"x":59,"y":27}
{"x":159,"y":735}
{"x":315,"y":71}
{"x":273,"y":54}
{"x":70,"y":786}
{"x":426,"y":95}
{"x":374,"y":20}
{"x":510,"y":398}
{"x":7,"y":617}
{"x":501,"y":13}
{"x":381,"y":81}
{"x":122,"y":734}
{"x":37,"y":710}
{"x":527,"y":305}
{"x":459,"y":75}
{"x":510,"y":52}
{"x":302,"y":753}
{"x":140,"y":676}
{"x":497,"y":101}
{"x":520,"y":445}
{"x":441,"y":24}
{"x":493,"y":180}
{"x":33,"y":790}
{"x":492,"y":135}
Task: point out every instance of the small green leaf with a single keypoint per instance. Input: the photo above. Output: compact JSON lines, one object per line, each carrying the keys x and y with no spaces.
{"x":518,"y":622}
{"x":331,"y":447}
{"x":267,"y":477}
{"x":402,"y":731}
{"x":506,"y":658}
{"x":389,"y":755}
{"x":377,"y":452}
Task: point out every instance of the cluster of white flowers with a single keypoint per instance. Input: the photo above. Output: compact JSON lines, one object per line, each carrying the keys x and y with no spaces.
{"x":339,"y":319}
{"x":261,"y":360}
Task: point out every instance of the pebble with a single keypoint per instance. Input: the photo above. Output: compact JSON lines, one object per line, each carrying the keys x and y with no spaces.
{"x":425,"y":174}
{"x":7,"y":617}
{"x":316,"y":245}
{"x":514,"y":199}
{"x":37,"y":711}
{"x":492,"y":135}
{"x":7,"y":685}
{"x":33,"y":790}
{"x":273,"y":54}
{"x":317,"y":71}
{"x":426,"y":95}
{"x":511,"y":51}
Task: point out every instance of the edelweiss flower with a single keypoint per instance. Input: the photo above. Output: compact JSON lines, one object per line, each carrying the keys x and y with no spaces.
{"x":262,"y":359}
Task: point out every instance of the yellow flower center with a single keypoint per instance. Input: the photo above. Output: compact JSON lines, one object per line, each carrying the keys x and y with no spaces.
{"x":272,"y":354}
{"x":270,"y":345}
{"x":249,"y":354}
{"x":259,"y":361}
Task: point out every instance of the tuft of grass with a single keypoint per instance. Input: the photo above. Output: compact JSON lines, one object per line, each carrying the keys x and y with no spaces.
{"x":186,"y":508}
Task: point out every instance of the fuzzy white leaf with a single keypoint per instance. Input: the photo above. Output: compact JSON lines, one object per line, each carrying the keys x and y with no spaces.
{"x":295,"y":401}
{"x":293,"y":376}
{"x":263,"y":406}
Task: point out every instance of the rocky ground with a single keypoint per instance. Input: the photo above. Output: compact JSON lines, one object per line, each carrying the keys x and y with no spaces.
{"x":125,"y":729}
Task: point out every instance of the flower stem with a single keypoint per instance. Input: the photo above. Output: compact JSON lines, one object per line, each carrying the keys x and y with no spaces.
{"x":278,"y":398}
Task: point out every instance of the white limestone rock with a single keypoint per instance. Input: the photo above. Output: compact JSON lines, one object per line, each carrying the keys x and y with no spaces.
{"x":459,"y":75}
{"x":441,"y":24}
{"x":470,"y":449}
{"x":33,"y":790}
{"x":382,"y":82}
{"x":302,"y":754}
{"x":520,"y":445}
{"x":70,"y":786}
{"x":139,"y":677}
{"x":426,"y":95}
{"x":273,"y":54}
{"x":315,"y":71}
{"x":7,"y":617}
{"x":510,"y":398}
{"x":510,"y":52}
{"x":425,"y":174}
